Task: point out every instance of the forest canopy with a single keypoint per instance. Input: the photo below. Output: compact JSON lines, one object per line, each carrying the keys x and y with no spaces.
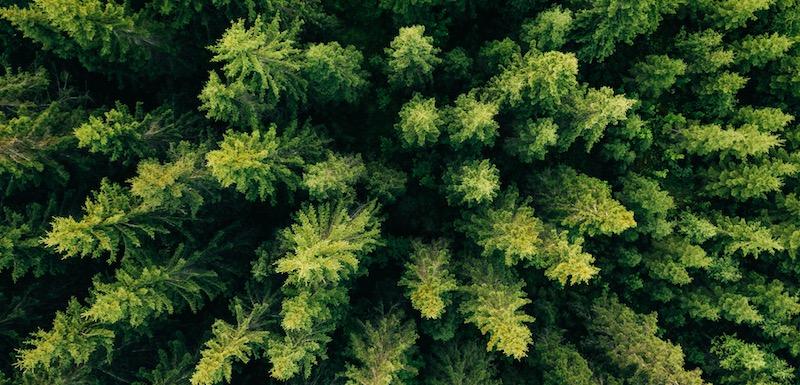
{"x":399,"y":192}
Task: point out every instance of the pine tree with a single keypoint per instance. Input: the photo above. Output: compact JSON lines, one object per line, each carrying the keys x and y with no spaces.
{"x":746,"y":363}
{"x":334,"y":177}
{"x":122,"y":135}
{"x":420,"y":122}
{"x":334,"y":73}
{"x":101,"y":35}
{"x":591,"y":114}
{"x":238,"y":342}
{"x":532,"y":140}
{"x":509,"y":228}
{"x":261,"y":68}
{"x":472,"y":183}
{"x":581,"y":202}
{"x":493,"y":304}
{"x":255,"y":162}
{"x":428,"y":281}
{"x":657,"y":74}
{"x":629,"y":341}
{"x":412,"y":57}
{"x":545,"y":80}
{"x":464,"y":363}
{"x":383,"y":352}
{"x":472,"y":120}
{"x":549,"y":30}
{"x":606,"y":23}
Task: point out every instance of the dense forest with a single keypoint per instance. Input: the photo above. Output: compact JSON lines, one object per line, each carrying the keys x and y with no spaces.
{"x":399,"y":192}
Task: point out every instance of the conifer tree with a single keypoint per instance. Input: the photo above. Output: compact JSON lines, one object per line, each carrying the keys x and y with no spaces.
{"x":473,"y":183}
{"x":493,"y":304}
{"x":255,"y":162}
{"x":383,"y":352}
{"x":412,"y":57}
{"x":428,"y":281}
{"x":261,"y":66}
{"x":420,"y":122}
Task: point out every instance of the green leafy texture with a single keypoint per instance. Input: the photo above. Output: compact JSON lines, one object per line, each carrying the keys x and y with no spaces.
{"x":650,"y":204}
{"x":703,"y":51}
{"x":604,"y":24}
{"x":411,"y":57}
{"x":101,"y":35}
{"x":420,"y":122}
{"x":672,"y":260}
{"x":549,"y":30}
{"x":657,"y":74}
{"x":261,"y":67}
{"x":33,"y":128}
{"x":545,"y":80}
{"x":117,"y":219}
{"x":321,"y":249}
{"x":111,"y":222}
{"x":745,"y":363}
{"x":334,"y":73}
{"x":472,"y":183}
{"x":383,"y":352}
{"x":139,"y":293}
{"x":629,"y":342}
{"x":741,"y":143}
{"x":72,"y":340}
{"x":122,"y":135}
{"x":383,"y":182}
{"x":229,"y":343}
{"x":532,"y":140}
{"x":560,"y":362}
{"x":254,"y":163}
{"x":325,"y":242}
{"x":563,"y":259}
{"x":591,"y":114}
{"x":493,"y":304}
{"x":21,"y":250}
{"x":471,"y":120}
{"x":508,"y":228}
{"x":428,"y":281}
{"x":730,"y":14}
{"x":757,"y":51}
{"x":747,"y":181}
{"x":334,"y":177}
{"x":581,"y":202}
{"x":750,"y":239}
{"x":464,"y":363}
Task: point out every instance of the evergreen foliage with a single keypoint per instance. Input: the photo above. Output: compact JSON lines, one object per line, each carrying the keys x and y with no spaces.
{"x":589,"y":192}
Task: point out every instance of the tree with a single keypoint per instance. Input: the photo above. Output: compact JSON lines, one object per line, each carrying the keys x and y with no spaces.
{"x":606,"y":23}
{"x":412,"y":57}
{"x":334,"y":177}
{"x":334,"y":73}
{"x":471,"y":120}
{"x":428,"y":281}
{"x":629,"y":341}
{"x":545,"y":80}
{"x":472,"y":183}
{"x":657,"y":74}
{"x":420,"y":122}
{"x":101,"y":35}
{"x":532,"y":140}
{"x":320,"y":250}
{"x":746,"y":363}
{"x":509,"y":228}
{"x":261,"y":67}
{"x":581,"y":202}
{"x":255,"y":162}
{"x":591,"y":114}
{"x":549,"y":30}
{"x":232,"y":342}
{"x":461,"y":363}
{"x":124,"y":136}
{"x":493,"y":304}
{"x":383,"y":352}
